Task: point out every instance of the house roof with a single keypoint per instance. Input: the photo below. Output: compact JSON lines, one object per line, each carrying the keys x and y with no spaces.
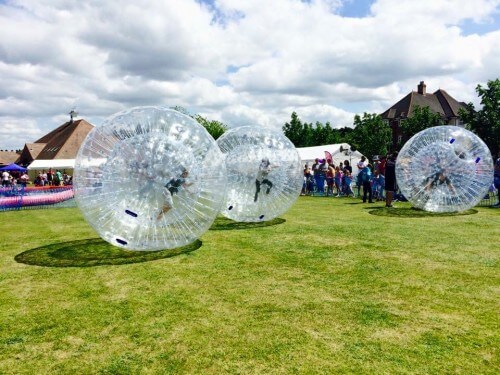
{"x":33,"y":149}
{"x":30,"y":152}
{"x":438,"y":102}
{"x":64,"y":141}
{"x":8,"y":157}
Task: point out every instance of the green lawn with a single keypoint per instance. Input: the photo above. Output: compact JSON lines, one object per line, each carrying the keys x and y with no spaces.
{"x":334,"y":286}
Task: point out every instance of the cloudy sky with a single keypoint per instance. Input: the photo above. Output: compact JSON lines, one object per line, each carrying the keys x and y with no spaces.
{"x":238,"y":61}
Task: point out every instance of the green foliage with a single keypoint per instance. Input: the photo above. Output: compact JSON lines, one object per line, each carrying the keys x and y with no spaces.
{"x":486,"y":122}
{"x":306,"y":135}
{"x":371,"y":135}
{"x":295,"y":131}
{"x":421,"y":118}
{"x":215,"y":128}
{"x":359,"y":294}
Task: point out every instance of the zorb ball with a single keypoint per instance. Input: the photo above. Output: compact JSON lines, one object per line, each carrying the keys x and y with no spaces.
{"x":444,"y":169}
{"x":264,"y":175}
{"x":149,"y":178}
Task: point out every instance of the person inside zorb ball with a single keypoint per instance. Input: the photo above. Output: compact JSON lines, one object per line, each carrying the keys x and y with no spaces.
{"x":149,"y":178}
{"x":264,"y":175}
{"x":444,"y":169}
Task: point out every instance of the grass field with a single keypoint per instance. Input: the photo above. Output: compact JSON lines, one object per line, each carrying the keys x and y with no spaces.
{"x":334,"y":286}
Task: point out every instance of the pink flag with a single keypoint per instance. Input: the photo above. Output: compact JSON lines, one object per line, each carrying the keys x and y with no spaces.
{"x":328,"y":156}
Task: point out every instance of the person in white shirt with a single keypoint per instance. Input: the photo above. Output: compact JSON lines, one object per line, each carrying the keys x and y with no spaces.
{"x":5,"y":178}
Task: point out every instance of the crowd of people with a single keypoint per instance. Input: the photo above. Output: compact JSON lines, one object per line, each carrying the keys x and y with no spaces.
{"x":377,"y":179}
{"x":15,"y":179}
{"x":51,"y":178}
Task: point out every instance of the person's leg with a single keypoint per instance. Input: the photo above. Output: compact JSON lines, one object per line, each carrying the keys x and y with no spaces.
{"x":269,"y":185}
{"x":257,"y":190}
{"x":497,"y":205}
{"x":388,"y":198}
{"x":365,"y":191}
{"x":168,"y":204}
{"x":370,"y":193}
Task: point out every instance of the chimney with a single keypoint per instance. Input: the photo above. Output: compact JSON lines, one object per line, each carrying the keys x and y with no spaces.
{"x":72,"y":114}
{"x":421,"y":88}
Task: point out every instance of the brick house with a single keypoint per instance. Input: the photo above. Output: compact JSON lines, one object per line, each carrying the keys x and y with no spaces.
{"x":438,"y":102}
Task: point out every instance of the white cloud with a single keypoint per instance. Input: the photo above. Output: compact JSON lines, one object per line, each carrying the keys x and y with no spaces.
{"x":18,"y":130}
{"x":237,"y":61}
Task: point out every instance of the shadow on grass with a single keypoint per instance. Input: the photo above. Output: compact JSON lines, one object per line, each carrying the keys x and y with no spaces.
{"x":222,"y":223}
{"x":415,"y":212}
{"x":94,"y":252}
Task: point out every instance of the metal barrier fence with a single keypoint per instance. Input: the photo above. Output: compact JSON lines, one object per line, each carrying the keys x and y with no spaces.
{"x":490,"y":199}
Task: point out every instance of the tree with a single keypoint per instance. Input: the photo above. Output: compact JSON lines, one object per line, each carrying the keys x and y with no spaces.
{"x":371,"y":135}
{"x":294,"y":130}
{"x":485,"y":122}
{"x":421,"y":118}
{"x":215,"y":128}
{"x":331,"y":135}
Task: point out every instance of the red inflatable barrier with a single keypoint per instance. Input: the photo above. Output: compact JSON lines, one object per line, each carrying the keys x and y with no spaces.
{"x":37,"y":199}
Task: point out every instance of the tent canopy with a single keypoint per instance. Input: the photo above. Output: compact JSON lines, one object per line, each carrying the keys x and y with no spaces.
{"x":13,"y":168}
{"x":308,"y":154}
{"x":52,"y":164}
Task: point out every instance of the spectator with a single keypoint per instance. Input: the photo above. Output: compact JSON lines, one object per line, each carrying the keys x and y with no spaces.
{"x":366,"y":179}
{"x":381,"y":165}
{"x":50,"y":177}
{"x":338,"y":181}
{"x":44,"y":177}
{"x":378,"y":185}
{"x":307,"y":178}
{"x":24,"y":179}
{"x":58,"y":178}
{"x":347,"y":181}
{"x":390,"y":178}
{"x":330,"y":176}
{"x":347,"y":166}
{"x":6,"y":179}
{"x":496,"y":180}
{"x":315,"y":169}
{"x":361,"y":165}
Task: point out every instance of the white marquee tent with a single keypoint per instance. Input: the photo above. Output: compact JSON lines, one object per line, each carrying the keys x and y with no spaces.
{"x":308,"y":154}
{"x":64,"y":165}
{"x":53,"y":164}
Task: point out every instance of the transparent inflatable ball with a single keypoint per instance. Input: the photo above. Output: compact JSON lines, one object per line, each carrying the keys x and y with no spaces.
{"x":444,"y":169}
{"x":149,"y":178}
{"x":264,"y":175}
